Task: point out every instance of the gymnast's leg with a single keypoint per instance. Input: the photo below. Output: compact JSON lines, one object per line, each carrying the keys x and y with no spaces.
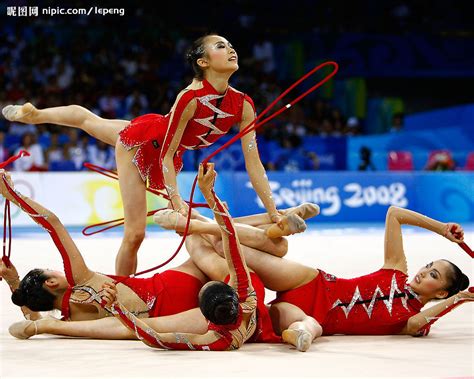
{"x":295,"y":327}
{"x":248,"y":235}
{"x":70,"y":115}
{"x":110,"y":328}
{"x":133,"y":191}
{"x":305,"y":211}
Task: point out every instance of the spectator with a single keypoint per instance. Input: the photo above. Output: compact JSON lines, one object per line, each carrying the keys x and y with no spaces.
{"x":54,"y":153}
{"x":34,"y":162}
{"x":136,"y":98}
{"x":18,"y":129}
{"x":4,"y":152}
{"x":65,"y":75}
{"x":263,"y":54}
{"x":352,"y":127}
{"x":366,"y":159}
{"x":109,"y":104}
{"x":102,"y":155}
{"x":397,"y":122}
{"x":441,"y":161}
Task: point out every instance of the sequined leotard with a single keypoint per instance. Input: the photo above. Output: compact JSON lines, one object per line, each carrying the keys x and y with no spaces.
{"x":153,"y":133}
{"x":163,"y":294}
{"x":374,"y":304}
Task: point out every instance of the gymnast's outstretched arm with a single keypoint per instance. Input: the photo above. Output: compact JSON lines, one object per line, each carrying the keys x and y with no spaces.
{"x":394,"y":256}
{"x":75,"y":267}
{"x":253,"y":163}
{"x":419,"y":324}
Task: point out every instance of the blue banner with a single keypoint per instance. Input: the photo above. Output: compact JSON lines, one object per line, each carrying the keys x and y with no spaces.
{"x":354,"y":196}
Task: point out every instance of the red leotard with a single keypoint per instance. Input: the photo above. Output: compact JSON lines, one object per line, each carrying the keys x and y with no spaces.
{"x":153,"y":133}
{"x":167,"y":293}
{"x":164,"y":294}
{"x":376,"y":304}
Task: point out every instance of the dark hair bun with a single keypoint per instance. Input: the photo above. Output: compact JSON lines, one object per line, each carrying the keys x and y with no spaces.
{"x":225,"y":312}
{"x":463,"y":282}
{"x":18,"y":297}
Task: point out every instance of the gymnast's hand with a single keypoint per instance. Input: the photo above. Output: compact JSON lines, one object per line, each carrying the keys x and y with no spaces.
{"x":179,"y":205}
{"x":277,"y":218}
{"x":454,"y":232}
{"x":3,"y":187}
{"x":10,"y":274}
{"x":467,"y":295}
{"x":206,"y":178}
{"x":109,"y":294}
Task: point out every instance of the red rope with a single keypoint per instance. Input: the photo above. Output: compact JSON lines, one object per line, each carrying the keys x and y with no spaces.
{"x":463,"y":245}
{"x":7,"y":220}
{"x":22,"y":153}
{"x":120,"y":221}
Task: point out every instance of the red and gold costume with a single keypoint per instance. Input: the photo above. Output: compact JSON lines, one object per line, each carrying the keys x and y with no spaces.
{"x":163,"y":294}
{"x":152,"y":134}
{"x":374,"y":304}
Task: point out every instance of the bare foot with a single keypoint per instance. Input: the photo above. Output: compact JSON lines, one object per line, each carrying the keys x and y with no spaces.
{"x":305,"y":210}
{"x":292,"y":224}
{"x":171,"y":220}
{"x":299,"y":338}
{"x":25,"y":113}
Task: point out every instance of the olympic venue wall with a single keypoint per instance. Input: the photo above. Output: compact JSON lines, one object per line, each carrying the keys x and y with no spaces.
{"x":86,"y":198}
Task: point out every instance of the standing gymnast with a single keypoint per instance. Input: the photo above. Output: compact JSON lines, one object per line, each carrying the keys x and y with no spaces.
{"x":150,"y":147}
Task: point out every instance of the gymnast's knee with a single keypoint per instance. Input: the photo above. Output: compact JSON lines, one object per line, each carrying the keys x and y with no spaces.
{"x":281,"y":248}
{"x":134,"y":237}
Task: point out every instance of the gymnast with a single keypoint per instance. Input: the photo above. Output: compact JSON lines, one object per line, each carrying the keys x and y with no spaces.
{"x":311,"y":303}
{"x":150,"y":147}
{"x":76,"y":292}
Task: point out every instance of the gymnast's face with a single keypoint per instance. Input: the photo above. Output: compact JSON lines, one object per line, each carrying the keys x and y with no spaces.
{"x":219,"y":55}
{"x":431,"y":280}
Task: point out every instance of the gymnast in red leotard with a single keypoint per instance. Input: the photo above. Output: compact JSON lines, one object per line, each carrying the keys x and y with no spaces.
{"x":76,"y":293}
{"x":150,"y":147}
{"x":311,"y":302}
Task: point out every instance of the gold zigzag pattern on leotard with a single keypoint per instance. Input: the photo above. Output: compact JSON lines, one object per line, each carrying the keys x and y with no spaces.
{"x":378,"y":292}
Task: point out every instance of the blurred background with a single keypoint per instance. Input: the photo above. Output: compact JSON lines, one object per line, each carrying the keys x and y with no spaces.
{"x":395,"y":126}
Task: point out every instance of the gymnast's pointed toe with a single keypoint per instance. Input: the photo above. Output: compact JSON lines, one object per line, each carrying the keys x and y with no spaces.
{"x":170,"y":219}
{"x":299,"y":338}
{"x":292,"y":224}
{"x":23,"y":329}
{"x":23,"y":113}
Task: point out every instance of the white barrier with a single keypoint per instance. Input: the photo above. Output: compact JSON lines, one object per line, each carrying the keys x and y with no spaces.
{"x":77,"y":198}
